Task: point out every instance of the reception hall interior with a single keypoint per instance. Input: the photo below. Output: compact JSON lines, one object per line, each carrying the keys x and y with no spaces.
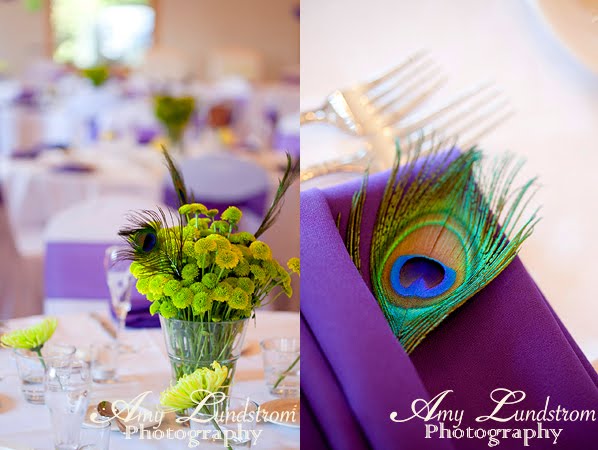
{"x":91,"y":91}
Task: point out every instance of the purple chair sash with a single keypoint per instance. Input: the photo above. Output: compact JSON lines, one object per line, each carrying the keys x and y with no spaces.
{"x":287,"y":143}
{"x":505,"y":337}
{"x":75,"y":270}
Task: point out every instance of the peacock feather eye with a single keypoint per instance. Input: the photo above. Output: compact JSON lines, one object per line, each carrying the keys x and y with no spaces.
{"x":437,"y":238}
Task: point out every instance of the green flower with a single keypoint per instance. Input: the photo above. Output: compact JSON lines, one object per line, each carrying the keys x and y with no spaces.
{"x":193,"y":208}
{"x":183,"y":298}
{"x":239,"y":299}
{"x":142,"y":285}
{"x":157,"y":283}
{"x":259,"y":273}
{"x":204,"y":261}
{"x":243,"y":237}
{"x":168,"y":310}
{"x":222,"y":292}
{"x":189,"y":272}
{"x":294,"y":265}
{"x":199,"y":223}
{"x":172,"y":287}
{"x":31,"y":338}
{"x":226,"y":259}
{"x":272,"y":268}
{"x":212,"y":213}
{"x":222,"y":243}
{"x":242,"y":269}
{"x":210,"y":280}
{"x":189,"y":249}
{"x":260,"y":250}
{"x":246,"y":284}
{"x":232,"y":214}
{"x":198,"y":287}
{"x":202,"y":302}
{"x":155,"y":307}
{"x":232,"y":281}
{"x":191,"y":389}
{"x":204,"y":246}
{"x":190,"y":233}
{"x":220,"y":226}
{"x":137,"y":269}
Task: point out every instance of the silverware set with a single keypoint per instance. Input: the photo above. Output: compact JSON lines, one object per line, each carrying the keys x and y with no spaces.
{"x":384,"y":110}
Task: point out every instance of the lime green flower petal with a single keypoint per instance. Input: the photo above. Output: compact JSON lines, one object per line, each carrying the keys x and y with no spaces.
{"x":226,"y":259}
{"x":212,"y":213}
{"x":210,"y":280}
{"x":294,"y":265}
{"x":199,"y":223}
{"x":189,"y":272}
{"x":157,"y":283}
{"x":242,"y":269}
{"x":246,"y":284}
{"x":33,"y":337}
{"x":155,"y":307}
{"x":168,"y":310}
{"x":198,"y":287}
{"x":232,"y":214}
{"x":142,"y":285}
{"x":137,"y":269}
{"x":239,"y":299}
{"x":259,"y":273}
{"x":191,"y":389}
{"x":183,"y":298}
{"x":260,"y":250}
{"x":220,"y":226}
{"x":222,"y":292}
{"x":202,"y":302}
{"x":172,"y":287}
{"x":272,"y":268}
{"x":204,"y":261}
{"x":204,"y":246}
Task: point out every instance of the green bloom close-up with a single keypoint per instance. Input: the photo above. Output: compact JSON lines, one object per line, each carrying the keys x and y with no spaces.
{"x":259,"y":273}
{"x":189,"y":272}
{"x":137,"y":269}
{"x":204,"y":261}
{"x":142,"y":285}
{"x":193,"y":208}
{"x":191,"y":389}
{"x":210,"y":280}
{"x":222,"y":243}
{"x":157,"y":283}
{"x":222,"y":292}
{"x":31,"y":338}
{"x":220,"y":226}
{"x":239,"y":299}
{"x":198,"y":287}
{"x":202,"y":302}
{"x":242,"y":269}
{"x":200,"y":223}
{"x":183,"y":298}
{"x":172,"y":287}
{"x":260,"y":250}
{"x":155,"y":307}
{"x":204,"y":246}
{"x":294,"y":265}
{"x":243,"y":237}
{"x":232,"y":214}
{"x":226,"y":259}
{"x":272,"y":268}
{"x":168,"y":310}
{"x":246,"y":284}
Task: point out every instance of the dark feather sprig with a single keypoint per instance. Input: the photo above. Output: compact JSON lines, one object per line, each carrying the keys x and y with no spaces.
{"x":177,"y":179}
{"x":290,"y":176}
{"x":155,"y":241}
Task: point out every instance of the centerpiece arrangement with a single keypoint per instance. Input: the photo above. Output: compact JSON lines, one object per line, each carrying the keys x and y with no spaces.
{"x":98,"y":75}
{"x":205,"y":278}
{"x":174,"y":113}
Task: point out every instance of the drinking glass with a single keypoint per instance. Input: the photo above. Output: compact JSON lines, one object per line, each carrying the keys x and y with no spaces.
{"x":68,"y":386}
{"x":281,"y":365}
{"x":95,"y":435}
{"x":120,"y":283}
{"x":104,"y":362}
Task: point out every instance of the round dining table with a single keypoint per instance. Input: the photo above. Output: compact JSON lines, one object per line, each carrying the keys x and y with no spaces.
{"x":146,"y":368}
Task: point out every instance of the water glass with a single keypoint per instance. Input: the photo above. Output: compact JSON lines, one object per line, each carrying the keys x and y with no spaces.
{"x":94,"y":435}
{"x":236,"y":418}
{"x":281,"y":365}
{"x":30,"y":367}
{"x":104,"y":362}
{"x":120,"y":284}
{"x":68,"y":386}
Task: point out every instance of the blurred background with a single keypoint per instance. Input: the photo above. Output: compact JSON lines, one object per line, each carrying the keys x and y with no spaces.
{"x":90,"y":90}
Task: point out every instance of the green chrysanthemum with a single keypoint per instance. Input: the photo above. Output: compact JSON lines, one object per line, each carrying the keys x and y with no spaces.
{"x":242,"y":269}
{"x":172,"y":287}
{"x":168,"y":310}
{"x":226,"y":259}
{"x":155,"y":307}
{"x":193,"y":208}
{"x":189,"y":272}
{"x":31,"y":338}
{"x":259,"y":273}
{"x":190,"y":233}
{"x":205,"y":246}
{"x":189,"y":249}
{"x":239,"y":299}
{"x":198,"y":287}
{"x":212,"y":213}
{"x":202,"y":302}
{"x":222,"y":292}
{"x":183,"y":298}
{"x":137,"y":269}
{"x":204,"y":261}
{"x":232,"y":214}
{"x":294,"y":265}
{"x":246,"y":284}
{"x":232,"y":281}
{"x":191,"y":389}
{"x":157,"y":283}
{"x":199,"y":223}
{"x":221,"y":242}
{"x":242,"y":237}
{"x":210,"y":280}
{"x":142,"y":285}
{"x":220,"y":226}
{"x":272,"y":268}
{"x":260,"y":250}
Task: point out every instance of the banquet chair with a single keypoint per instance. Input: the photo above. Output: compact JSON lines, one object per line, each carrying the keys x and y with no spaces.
{"x":219,"y":180}
{"x":75,"y":242}
{"x":506,"y":337}
{"x":286,"y":135}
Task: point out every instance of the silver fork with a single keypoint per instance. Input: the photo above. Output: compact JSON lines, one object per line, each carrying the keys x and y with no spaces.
{"x":466,"y":118}
{"x":367,"y":108}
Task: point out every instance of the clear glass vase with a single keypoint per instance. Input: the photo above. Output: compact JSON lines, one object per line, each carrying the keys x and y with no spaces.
{"x":192,"y":345}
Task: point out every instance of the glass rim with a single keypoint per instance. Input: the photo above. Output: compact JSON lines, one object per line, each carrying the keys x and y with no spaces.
{"x":277,"y":340}
{"x":29,"y":352}
{"x":205,"y":323}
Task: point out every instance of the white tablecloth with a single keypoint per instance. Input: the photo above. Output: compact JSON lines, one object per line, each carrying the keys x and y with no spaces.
{"x":29,"y":425}
{"x":554,"y":97}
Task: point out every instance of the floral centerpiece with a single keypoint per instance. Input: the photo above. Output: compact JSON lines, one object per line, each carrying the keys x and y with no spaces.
{"x":205,"y":278}
{"x":174,"y":114}
{"x":98,"y":75}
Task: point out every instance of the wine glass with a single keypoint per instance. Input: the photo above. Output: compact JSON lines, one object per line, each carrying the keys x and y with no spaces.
{"x":120,"y":283}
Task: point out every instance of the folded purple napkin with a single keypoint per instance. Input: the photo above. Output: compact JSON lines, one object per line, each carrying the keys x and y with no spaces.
{"x":506,"y":337}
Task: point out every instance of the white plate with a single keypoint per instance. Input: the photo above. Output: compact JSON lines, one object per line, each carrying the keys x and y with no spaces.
{"x":280,"y":412}
{"x":575,"y":24}
{"x":9,"y":446}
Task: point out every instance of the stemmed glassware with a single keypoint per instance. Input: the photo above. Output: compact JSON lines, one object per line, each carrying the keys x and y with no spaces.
{"x":120,"y":283}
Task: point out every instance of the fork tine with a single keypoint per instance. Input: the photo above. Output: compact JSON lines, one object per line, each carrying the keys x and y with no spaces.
{"x":450,"y":106}
{"x":406,"y":91}
{"x":473,"y":140}
{"x":392,"y":72}
{"x":418,"y":99}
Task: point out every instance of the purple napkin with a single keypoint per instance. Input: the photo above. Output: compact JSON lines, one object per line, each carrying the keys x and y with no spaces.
{"x":506,"y":337}
{"x":145,"y":135}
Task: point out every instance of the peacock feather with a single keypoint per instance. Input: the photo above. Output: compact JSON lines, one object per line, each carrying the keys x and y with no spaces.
{"x":444,"y":229}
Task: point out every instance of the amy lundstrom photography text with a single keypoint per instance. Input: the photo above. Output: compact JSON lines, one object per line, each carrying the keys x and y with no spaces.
{"x":430,"y":410}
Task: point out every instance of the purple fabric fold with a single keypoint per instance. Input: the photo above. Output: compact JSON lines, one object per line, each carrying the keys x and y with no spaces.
{"x":507,"y":336}
{"x":75,"y":270}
